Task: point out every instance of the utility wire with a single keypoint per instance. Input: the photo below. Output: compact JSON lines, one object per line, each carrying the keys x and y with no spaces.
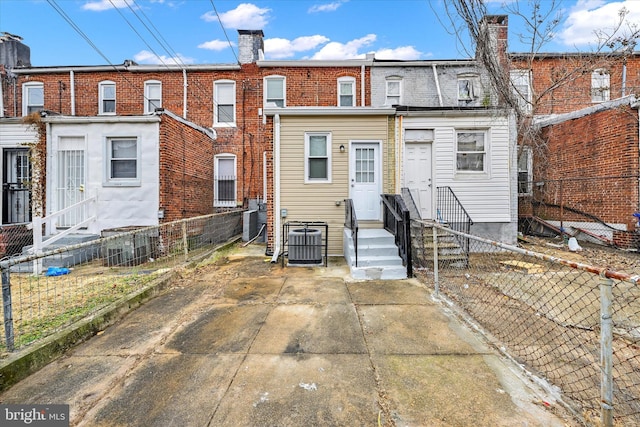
{"x":225,"y":32}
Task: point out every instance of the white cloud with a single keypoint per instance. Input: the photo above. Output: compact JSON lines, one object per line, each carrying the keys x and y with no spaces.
{"x":277,"y":48}
{"x":101,"y":5}
{"x":246,"y":16}
{"x":403,"y":53}
{"x":327,"y":7}
{"x":146,"y":57}
{"x":216,"y":45}
{"x":349,"y":50}
{"x":588,"y":17}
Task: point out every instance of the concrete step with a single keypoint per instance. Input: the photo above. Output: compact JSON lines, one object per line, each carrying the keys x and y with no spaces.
{"x":377,"y":256}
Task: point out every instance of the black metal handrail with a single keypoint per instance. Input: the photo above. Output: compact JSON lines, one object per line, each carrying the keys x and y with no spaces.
{"x":397,"y":221}
{"x":451,"y":213}
{"x":351,"y":222}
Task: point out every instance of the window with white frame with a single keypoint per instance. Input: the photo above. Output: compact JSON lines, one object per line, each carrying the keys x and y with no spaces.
{"x":123,"y":161}
{"x":521,"y":85}
{"x":224,"y":103}
{"x":468,"y":88}
{"x":107,"y":98}
{"x":32,"y":97}
{"x":346,"y":92}
{"x":152,"y":96}
{"x":275,"y":91}
{"x":393,"y":91}
{"x":225,"y":180}
{"x":600,"y":85}
{"x":525,"y":174}
{"x":471,"y":151}
{"x":317,"y":157}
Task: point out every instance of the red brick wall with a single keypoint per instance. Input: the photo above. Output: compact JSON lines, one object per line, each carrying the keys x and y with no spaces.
{"x":591,"y":156}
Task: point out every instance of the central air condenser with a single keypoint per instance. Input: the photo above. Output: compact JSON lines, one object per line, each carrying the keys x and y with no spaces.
{"x":305,"y":246}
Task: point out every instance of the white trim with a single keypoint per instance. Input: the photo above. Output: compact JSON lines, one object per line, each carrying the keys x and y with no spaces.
{"x":216,"y":168}
{"x":108,"y":180}
{"x":147,"y":98}
{"x":328,"y":146}
{"x":216,"y":119}
{"x":265,"y":91}
{"x":26,"y":87}
{"x":486,"y":161}
{"x":352,"y":81}
{"x":395,"y":79}
{"x":101,"y":86}
{"x":363,"y":143}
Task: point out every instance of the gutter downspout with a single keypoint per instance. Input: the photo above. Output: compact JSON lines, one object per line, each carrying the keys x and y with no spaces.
{"x":362,"y":83}
{"x":1,"y":98}
{"x":624,"y":77}
{"x":276,"y":188}
{"x":72,"y":89}
{"x":184,"y":93}
{"x":435,"y":77}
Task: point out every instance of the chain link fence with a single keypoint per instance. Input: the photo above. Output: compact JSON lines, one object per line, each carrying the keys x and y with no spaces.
{"x":601,"y":210}
{"x":78,"y":280}
{"x":575,"y":325}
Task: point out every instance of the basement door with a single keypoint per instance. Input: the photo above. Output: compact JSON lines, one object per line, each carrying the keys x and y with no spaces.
{"x":417,"y":176}
{"x":70,"y":179}
{"x":364,"y":172}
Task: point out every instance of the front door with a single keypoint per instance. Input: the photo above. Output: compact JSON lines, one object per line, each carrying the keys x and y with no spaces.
{"x":417,"y":176}
{"x":365,"y":180}
{"x":70,"y":179}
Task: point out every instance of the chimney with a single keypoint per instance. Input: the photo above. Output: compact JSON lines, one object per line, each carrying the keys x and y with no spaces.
{"x":13,"y":53}
{"x":497,"y":28}
{"x":250,"y":46}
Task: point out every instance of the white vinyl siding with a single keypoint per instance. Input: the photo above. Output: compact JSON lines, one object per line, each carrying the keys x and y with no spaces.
{"x":486,"y":196}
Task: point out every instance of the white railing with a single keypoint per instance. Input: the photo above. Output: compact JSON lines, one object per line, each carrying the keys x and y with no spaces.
{"x":87,"y":205}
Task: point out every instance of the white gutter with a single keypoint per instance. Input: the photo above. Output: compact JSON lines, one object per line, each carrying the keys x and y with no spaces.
{"x":121,"y":67}
{"x":362,"y":83}
{"x":72,"y":83}
{"x":1,"y":102}
{"x":184,"y":93}
{"x":276,"y":188}
{"x":435,"y":76}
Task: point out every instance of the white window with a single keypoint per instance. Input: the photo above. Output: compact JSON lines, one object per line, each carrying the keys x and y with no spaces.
{"x":224,"y":103}
{"x":225,"y":180}
{"x":521,"y":85}
{"x":468,"y":88}
{"x":275,"y":91}
{"x":393,"y":93}
{"x":32,"y":98}
{"x":600,"y":85}
{"x":317,"y":157}
{"x":346,"y":92}
{"x":525,"y":175}
{"x":471,"y":151}
{"x":107,"y":98}
{"x":152,"y":96}
{"x":123,"y":161}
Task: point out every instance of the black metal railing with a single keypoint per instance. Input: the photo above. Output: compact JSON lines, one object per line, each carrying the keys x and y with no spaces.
{"x":397,"y":221}
{"x":351,"y":222}
{"x":451,"y":213}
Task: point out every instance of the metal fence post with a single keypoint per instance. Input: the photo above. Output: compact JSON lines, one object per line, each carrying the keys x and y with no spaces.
{"x":185,"y":241}
{"x":435,"y":260}
{"x":606,"y":351}
{"x":7,"y":309}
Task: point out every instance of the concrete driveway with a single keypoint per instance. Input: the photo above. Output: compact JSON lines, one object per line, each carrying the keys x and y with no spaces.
{"x":243,"y":342}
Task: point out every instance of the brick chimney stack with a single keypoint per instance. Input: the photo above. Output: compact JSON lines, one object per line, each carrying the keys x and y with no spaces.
{"x":498,"y":31}
{"x":250,"y":46}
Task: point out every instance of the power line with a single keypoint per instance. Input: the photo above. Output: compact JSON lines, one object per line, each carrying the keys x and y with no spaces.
{"x":224,"y":31}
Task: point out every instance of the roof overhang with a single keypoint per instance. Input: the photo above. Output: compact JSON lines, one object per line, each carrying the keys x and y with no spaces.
{"x":330,"y":111}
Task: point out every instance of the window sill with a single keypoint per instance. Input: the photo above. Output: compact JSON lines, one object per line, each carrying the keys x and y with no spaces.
{"x":224,"y":125}
{"x":127,"y":183}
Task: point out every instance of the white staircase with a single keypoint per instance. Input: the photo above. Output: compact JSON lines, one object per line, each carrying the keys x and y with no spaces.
{"x":378,"y":257}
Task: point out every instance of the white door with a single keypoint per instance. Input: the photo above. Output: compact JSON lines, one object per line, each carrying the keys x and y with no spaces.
{"x":70,"y":179}
{"x":365,"y":180}
{"x":417,"y":176}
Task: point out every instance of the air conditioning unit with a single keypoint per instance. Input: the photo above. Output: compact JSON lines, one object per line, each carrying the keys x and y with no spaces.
{"x":305,"y":246}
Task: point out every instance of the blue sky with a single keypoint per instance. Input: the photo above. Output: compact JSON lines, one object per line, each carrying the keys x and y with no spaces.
{"x":99,"y":32}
